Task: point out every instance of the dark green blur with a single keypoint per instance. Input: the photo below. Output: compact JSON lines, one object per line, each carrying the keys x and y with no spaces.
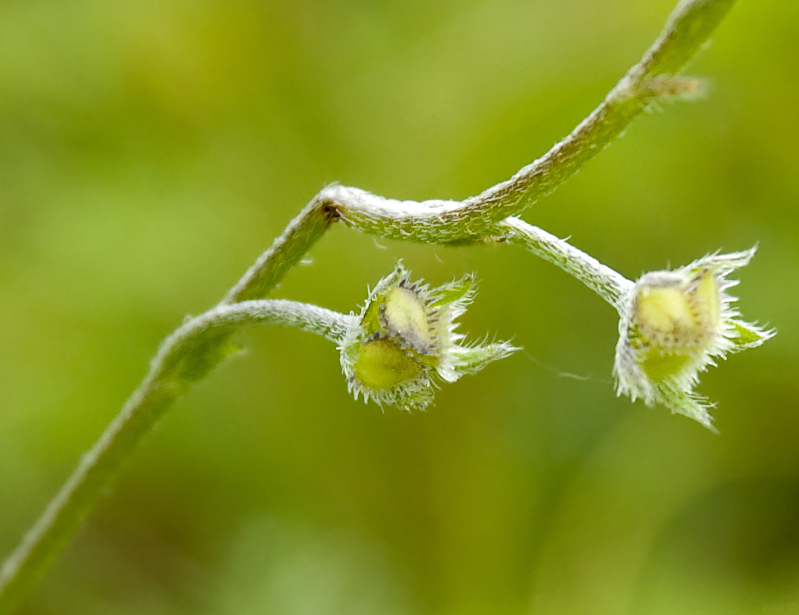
{"x":149,"y":151}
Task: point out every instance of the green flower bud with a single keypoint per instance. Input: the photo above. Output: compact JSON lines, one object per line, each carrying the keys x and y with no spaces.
{"x":404,"y":340}
{"x":674,"y":324}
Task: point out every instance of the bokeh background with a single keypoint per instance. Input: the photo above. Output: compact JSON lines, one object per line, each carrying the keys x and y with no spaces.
{"x":150,"y":150}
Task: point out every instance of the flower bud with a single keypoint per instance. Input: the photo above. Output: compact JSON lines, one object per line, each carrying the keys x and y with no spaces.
{"x":404,"y":338}
{"x":673,"y":325}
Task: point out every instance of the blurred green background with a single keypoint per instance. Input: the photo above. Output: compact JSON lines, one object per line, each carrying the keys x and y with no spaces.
{"x":150,"y":150}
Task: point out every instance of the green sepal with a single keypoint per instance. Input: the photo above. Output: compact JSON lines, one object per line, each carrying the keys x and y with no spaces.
{"x":470,"y":360}
{"x":749,"y":335}
{"x":454,"y":291}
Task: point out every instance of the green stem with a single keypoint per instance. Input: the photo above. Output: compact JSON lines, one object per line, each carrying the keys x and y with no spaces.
{"x":604,"y":281}
{"x":442,"y":222}
{"x":176,"y":365}
{"x":284,"y":253}
{"x":192,"y":351}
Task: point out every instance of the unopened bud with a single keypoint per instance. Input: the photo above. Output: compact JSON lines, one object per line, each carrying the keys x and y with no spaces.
{"x":674,"y":325}
{"x":405,"y":337}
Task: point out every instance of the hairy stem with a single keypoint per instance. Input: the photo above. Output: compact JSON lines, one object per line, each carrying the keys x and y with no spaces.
{"x":470,"y":220}
{"x":186,"y":355}
{"x":195,"y":348}
{"x":604,"y":281}
{"x":284,"y":253}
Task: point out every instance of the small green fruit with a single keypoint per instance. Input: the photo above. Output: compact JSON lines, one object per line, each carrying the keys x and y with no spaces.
{"x":405,"y":336}
{"x":382,"y":365}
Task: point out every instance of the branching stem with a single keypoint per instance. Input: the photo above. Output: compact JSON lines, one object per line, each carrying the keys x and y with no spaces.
{"x":195,"y":348}
{"x":186,"y":355}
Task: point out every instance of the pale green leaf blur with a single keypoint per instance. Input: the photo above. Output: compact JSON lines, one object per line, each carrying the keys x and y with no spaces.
{"x":150,"y":150}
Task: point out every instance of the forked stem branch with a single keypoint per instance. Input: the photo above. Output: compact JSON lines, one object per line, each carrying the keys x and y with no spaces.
{"x":195,"y":348}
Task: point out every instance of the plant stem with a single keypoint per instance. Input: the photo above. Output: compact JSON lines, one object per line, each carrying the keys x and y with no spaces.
{"x":284,"y":253}
{"x":172,"y":370}
{"x":470,"y":220}
{"x":604,"y":281}
{"x":194,"y":349}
